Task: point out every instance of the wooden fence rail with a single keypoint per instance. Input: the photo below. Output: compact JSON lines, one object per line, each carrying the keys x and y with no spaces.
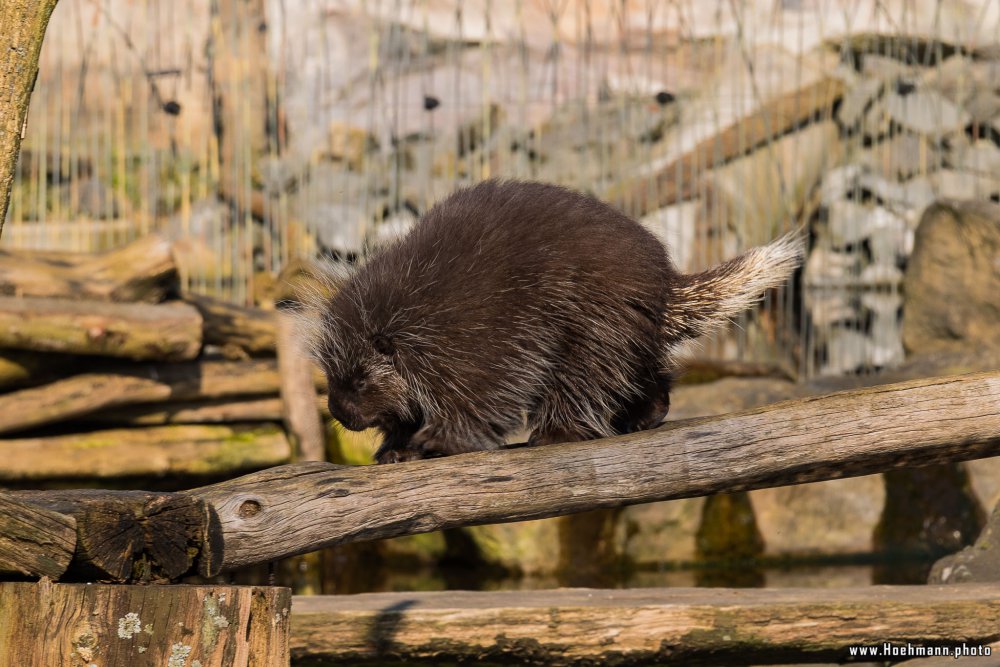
{"x":302,"y":507}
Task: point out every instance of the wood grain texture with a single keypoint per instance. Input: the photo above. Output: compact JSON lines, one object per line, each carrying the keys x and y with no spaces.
{"x":124,"y":536}
{"x":186,"y":449}
{"x":129,"y":385}
{"x":34,"y":541}
{"x":130,"y":330}
{"x":218,"y":411}
{"x":143,"y":270}
{"x":297,"y":508}
{"x":77,"y":625}
{"x":643,"y":626}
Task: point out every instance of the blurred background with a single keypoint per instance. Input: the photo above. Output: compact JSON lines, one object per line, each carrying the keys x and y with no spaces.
{"x":254,"y":137}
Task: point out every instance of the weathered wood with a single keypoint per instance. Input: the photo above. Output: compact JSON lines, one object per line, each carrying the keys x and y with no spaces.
{"x":302,"y":507}
{"x":140,"y":271}
{"x":129,"y":385}
{"x":220,"y":411}
{"x":240,"y":332}
{"x":185,"y":449}
{"x":678,"y":179}
{"x":298,"y":395}
{"x":701,"y":370}
{"x":645,"y":626}
{"x":124,"y":536}
{"x":130,"y":330}
{"x":143,"y":626}
{"x":34,"y":542}
{"x":22,"y":28}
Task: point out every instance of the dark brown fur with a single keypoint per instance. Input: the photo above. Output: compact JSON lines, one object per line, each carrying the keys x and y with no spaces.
{"x":511,"y":300}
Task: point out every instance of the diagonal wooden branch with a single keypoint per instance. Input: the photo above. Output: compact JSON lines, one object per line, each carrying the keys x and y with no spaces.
{"x":297,"y":508}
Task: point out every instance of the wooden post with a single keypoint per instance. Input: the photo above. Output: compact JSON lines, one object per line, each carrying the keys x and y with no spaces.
{"x":43,"y":624}
{"x":298,"y":395}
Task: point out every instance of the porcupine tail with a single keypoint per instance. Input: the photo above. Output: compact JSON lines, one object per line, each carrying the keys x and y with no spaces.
{"x":704,"y":301}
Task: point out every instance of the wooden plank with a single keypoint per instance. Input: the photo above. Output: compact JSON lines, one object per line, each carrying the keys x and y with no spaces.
{"x":34,"y":542}
{"x":298,"y":508}
{"x":678,"y":179}
{"x":129,"y":385}
{"x":124,"y":536}
{"x":130,"y":330}
{"x":187,"y":449}
{"x":219,"y":411}
{"x":640,"y":626}
{"x":139,"y":626}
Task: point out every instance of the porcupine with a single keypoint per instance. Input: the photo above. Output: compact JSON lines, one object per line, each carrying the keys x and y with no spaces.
{"x":514,"y":300}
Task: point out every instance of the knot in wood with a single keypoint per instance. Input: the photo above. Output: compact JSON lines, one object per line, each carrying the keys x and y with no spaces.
{"x":249,"y":508}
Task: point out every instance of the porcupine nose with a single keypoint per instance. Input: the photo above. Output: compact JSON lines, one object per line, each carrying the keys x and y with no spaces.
{"x":348,"y":416}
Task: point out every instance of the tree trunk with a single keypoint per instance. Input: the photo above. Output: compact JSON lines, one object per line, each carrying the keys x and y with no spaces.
{"x":34,"y":541}
{"x":126,"y":536}
{"x":140,"y":271}
{"x":154,"y":451}
{"x":22,"y":28}
{"x":298,"y":395}
{"x":131,"y":330}
{"x":130,"y":385}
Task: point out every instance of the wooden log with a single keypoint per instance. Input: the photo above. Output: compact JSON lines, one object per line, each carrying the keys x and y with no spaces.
{"x":185,"y":449}
{"x":90,"y":392}
{"x":298,"y":395}
{"x":140,"y":271}
{"x":140,"y":626}
{"x":220,"y":411}
{"x":34,"y":542}
{"x":124,"y":536}
{"x":683,"y":626}
{"x":133,"y":331}
{"x":678,"y":179}
{"x":240,"y":332}
{"x":302,"y":507}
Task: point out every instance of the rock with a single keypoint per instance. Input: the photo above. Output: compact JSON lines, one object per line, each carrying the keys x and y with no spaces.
{"x":984,"y":475}
{"x":660,"y":533}
{"x":829,"y":307}
{"x":915,"y":193}
{"x":849,"y":223}
{"x":528,"y":547}
{"x":960,"y":78}
{"x":981,"y":157}
{"x":875,"y":275}
{"x":857,"y":101}
{"x":824,"y":518}
{"x":840,"y":183}
{"x":847,"y":351}
{"x":954,"y":184}
{"x":349,"y":144}
{"x":984,"y":107}
{"x":886,"y":68}
{"x":901,"y":156}
{"x":978,"y":563}
{"x":393,"y":227}
{"x":96,"y":200}
{"x":828,"y":268}
{"x":953,"y":278}
{"x":926,"y":112}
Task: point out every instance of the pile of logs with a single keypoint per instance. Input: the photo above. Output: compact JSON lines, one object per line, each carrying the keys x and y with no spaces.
{"x":106,"y":371}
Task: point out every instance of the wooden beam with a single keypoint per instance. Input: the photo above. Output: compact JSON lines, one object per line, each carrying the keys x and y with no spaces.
{"x":124,"y":536}
{"x":128,"y":626}
{"x":641,"y":626}
{"x":130,"y":385}
{"x":298,"y":508}
{"x":34,"y":542}
{"x":218,"y":411}
{"x":140,"y":271}
{"x":186,"y":449}
{"x":678,"y":179}
{"x":131,"y":330}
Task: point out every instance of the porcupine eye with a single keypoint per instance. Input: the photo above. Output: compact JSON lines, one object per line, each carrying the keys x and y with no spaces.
{"x":382,"y":344}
